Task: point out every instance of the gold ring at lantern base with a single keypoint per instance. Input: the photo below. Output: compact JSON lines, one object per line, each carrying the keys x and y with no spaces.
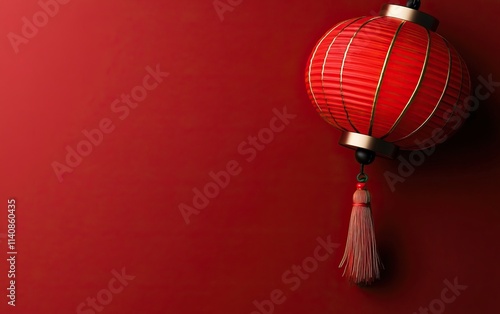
{"x":410,"y":15}
{"x":380,"y":147}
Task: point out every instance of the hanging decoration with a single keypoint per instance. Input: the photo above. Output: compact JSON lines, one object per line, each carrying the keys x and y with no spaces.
{"x":388,"y":82}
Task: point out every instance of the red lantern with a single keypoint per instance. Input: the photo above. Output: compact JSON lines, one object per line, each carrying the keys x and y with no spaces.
{"x":387,"y":82}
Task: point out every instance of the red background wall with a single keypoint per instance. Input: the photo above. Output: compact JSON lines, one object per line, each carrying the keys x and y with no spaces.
{"x":119,"y":207}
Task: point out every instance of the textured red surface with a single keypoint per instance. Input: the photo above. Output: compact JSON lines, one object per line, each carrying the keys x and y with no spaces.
{"x":119,"y":207}
{"x":388,"y":78}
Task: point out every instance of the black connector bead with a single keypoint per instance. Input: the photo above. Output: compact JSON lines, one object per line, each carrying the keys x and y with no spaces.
{"x":364,"y":156}
{"x":413,"y":4}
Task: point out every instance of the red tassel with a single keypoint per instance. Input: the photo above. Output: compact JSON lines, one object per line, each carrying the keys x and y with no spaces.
{"x":361,"y":259}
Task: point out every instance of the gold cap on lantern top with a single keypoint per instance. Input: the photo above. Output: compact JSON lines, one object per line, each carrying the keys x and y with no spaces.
{"x":411,"y":15}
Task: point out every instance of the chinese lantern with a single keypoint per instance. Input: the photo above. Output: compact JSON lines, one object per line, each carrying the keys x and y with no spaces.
{"x":388,"y":82}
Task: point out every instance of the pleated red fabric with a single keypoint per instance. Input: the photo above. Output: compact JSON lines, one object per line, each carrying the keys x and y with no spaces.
{"x":388,"y":78}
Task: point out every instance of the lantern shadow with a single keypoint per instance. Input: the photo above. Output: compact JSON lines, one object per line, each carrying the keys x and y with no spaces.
{"x":477,"y":136}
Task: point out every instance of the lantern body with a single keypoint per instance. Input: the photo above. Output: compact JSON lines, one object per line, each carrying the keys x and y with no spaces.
{"x":389,"y":79}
